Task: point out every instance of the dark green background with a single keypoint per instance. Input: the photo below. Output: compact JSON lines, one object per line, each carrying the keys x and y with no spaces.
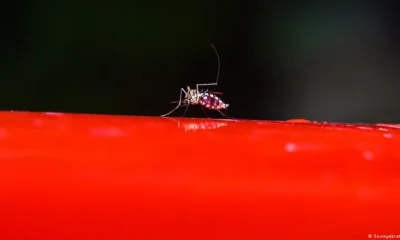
{"x":321,"y":61}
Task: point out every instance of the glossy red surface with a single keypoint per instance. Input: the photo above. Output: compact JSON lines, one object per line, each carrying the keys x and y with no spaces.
{"x":66,"y":176}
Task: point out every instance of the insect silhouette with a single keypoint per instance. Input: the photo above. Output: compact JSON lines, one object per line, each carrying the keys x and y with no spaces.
{"x":204,"y":98}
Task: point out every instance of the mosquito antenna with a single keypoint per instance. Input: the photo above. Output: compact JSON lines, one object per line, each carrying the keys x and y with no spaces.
{"x":216,"y":52}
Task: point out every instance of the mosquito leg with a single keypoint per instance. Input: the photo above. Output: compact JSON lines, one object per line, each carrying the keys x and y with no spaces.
{"x":173,"y":110}
{"x":224,"y":115}
{"x":202,"y":85}
{"x":204,"y":111}
{"x":185,"y":110}
{"x":216,"y":79}
{"x":205,"y":84}
{"x":179,"y":104}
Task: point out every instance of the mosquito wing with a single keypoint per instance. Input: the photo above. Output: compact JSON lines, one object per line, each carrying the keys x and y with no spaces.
{"x":215,"y":93}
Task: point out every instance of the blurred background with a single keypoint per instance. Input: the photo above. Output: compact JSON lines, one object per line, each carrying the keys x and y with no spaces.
{"x":326,"y":62}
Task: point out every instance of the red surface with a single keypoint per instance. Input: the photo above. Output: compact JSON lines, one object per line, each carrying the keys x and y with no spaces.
{"x":108,"y":177}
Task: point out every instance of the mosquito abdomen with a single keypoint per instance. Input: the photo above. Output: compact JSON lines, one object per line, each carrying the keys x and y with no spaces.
{"x":211,"y":101}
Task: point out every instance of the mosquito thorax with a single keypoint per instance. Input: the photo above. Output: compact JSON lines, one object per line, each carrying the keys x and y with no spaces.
{"x":192,"y":96}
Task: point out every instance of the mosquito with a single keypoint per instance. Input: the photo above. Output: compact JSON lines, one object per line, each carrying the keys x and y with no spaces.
{"x":204,"y":98}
